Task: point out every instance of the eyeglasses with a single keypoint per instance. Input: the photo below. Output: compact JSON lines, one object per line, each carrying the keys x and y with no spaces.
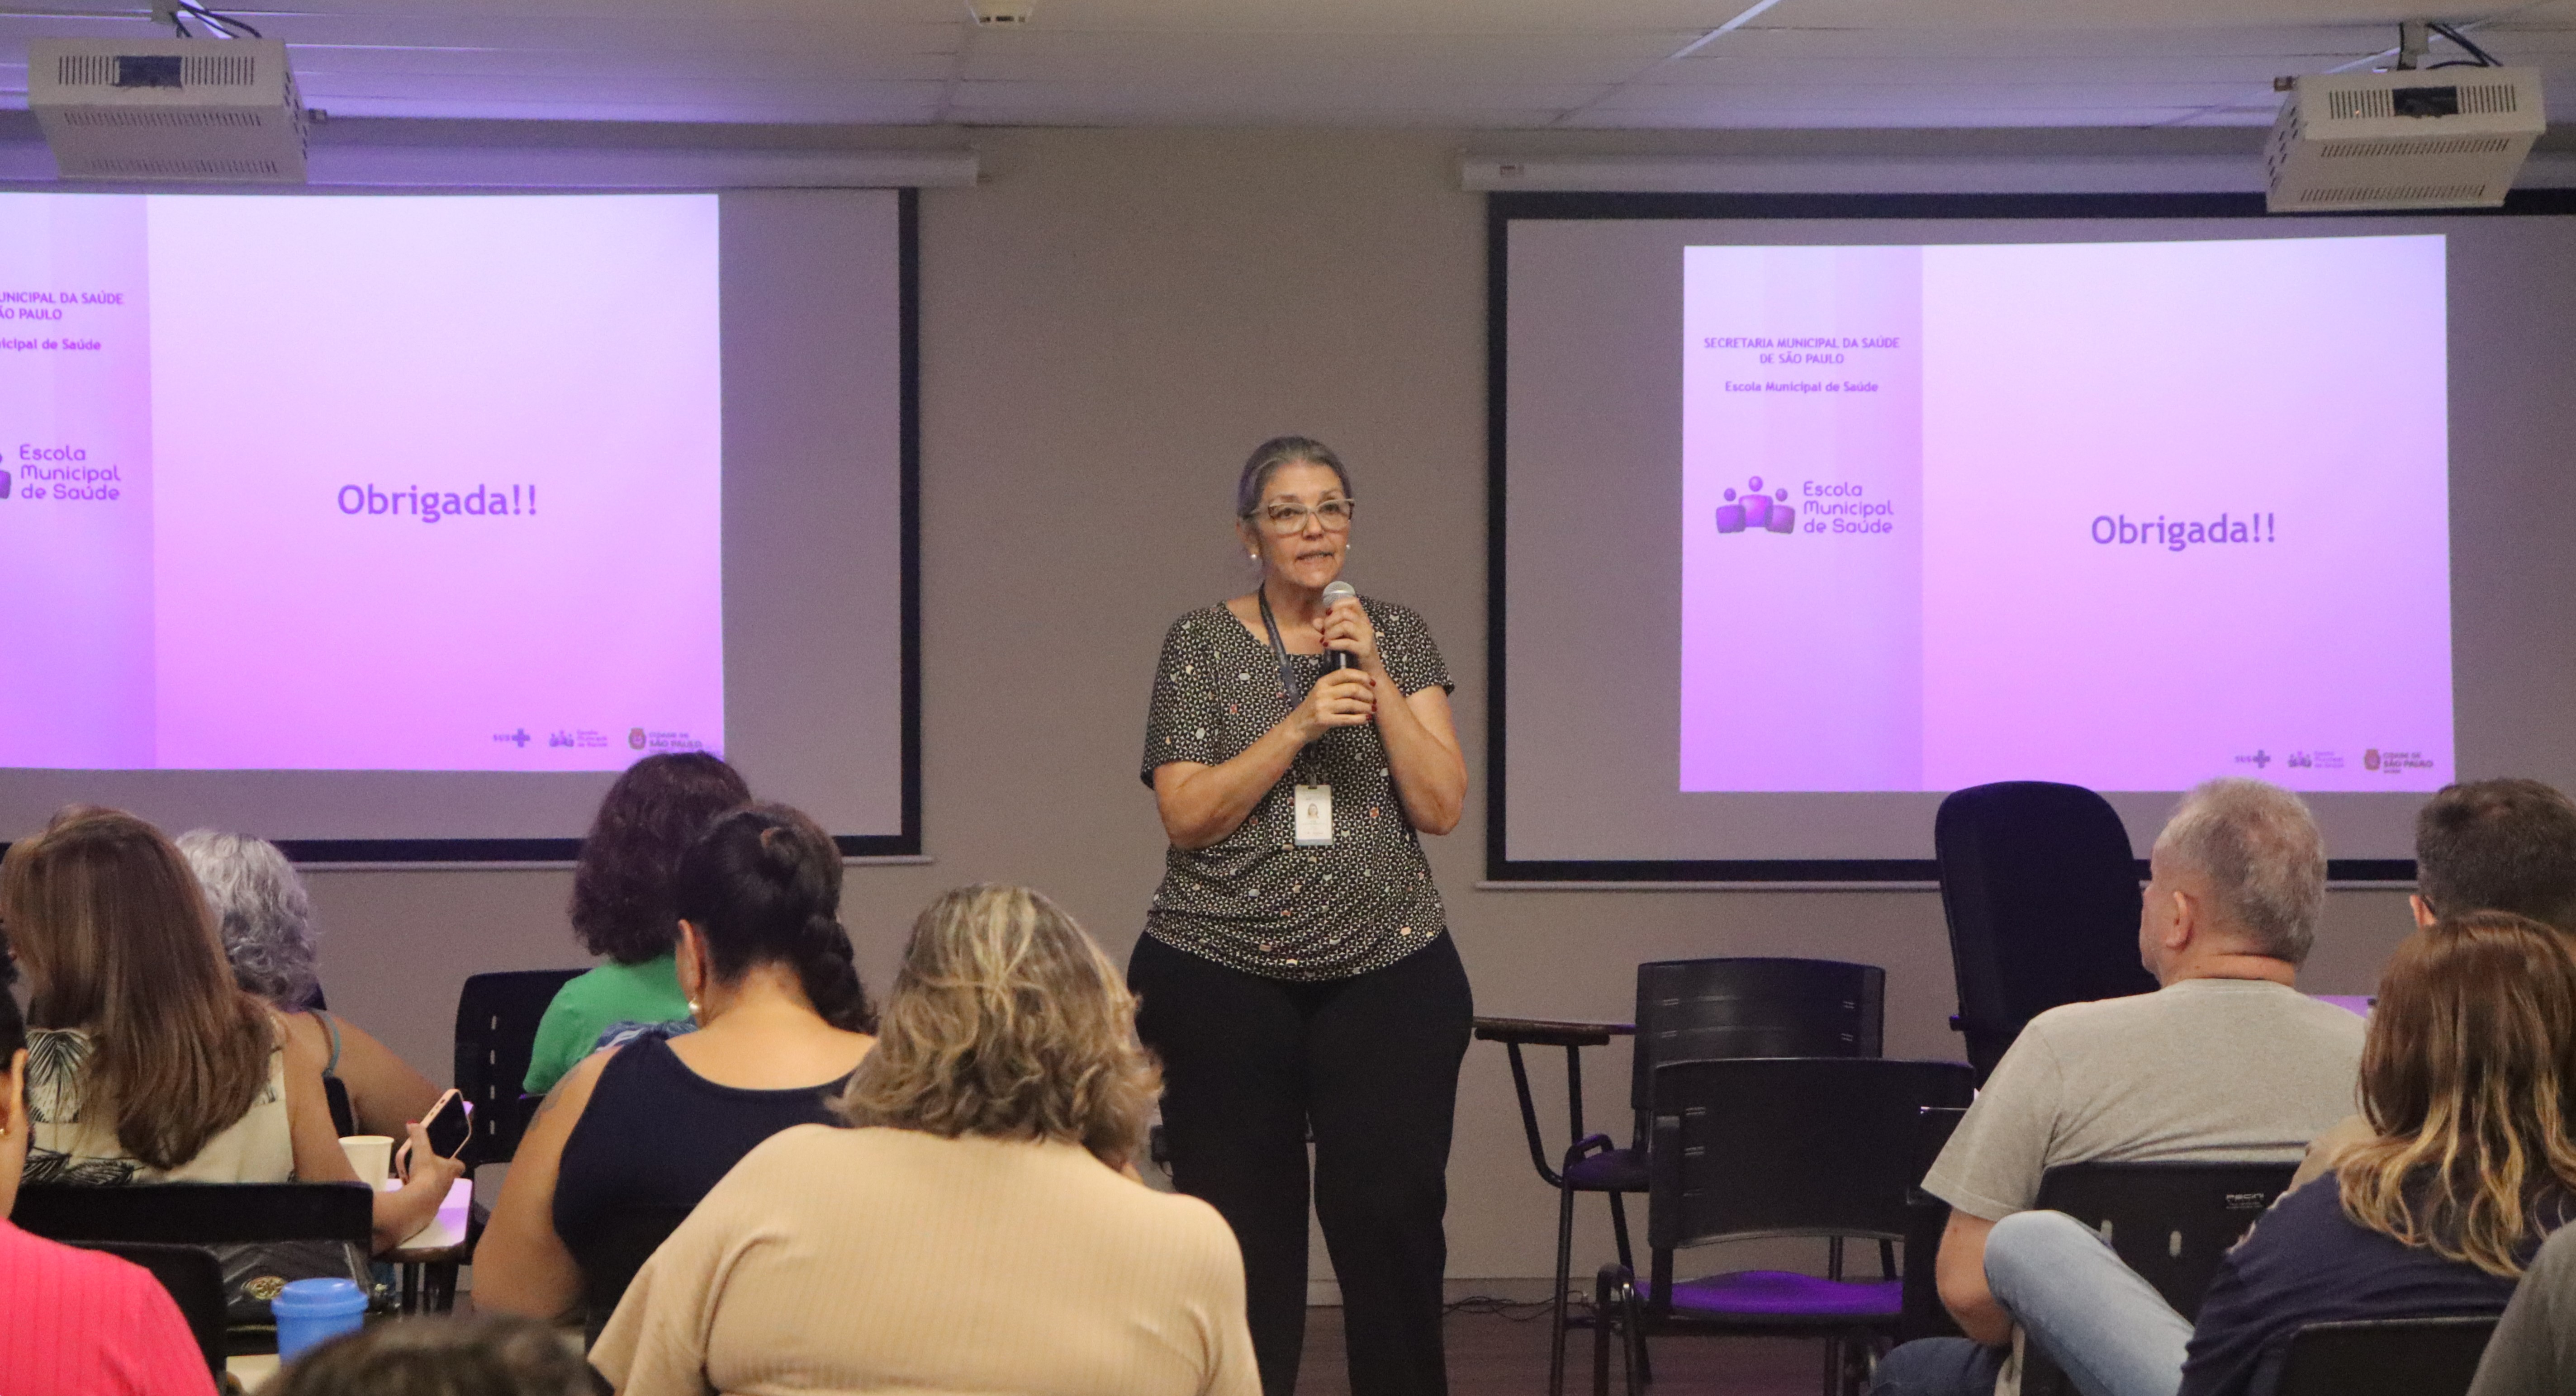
{"x":1288,"y":520}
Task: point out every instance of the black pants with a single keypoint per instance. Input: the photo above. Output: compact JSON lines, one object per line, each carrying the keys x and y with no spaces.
{"x":1371,"y":1062}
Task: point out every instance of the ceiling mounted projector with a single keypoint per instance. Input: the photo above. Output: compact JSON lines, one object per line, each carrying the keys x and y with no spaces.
{"x":2424,"y":138}
{"x":214,"y":111}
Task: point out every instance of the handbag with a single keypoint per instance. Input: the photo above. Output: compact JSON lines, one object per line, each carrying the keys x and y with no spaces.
{"x":254,"y":1272}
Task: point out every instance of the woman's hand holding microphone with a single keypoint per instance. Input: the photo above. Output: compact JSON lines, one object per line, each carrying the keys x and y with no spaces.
{"x":1342,"y":697}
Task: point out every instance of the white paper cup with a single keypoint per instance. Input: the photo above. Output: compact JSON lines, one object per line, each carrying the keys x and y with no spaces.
{"x":372,"y":1155}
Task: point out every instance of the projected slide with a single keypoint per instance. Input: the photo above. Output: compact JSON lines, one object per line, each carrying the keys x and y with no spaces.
{"x":383,"y":483}
{"x":2129,"y":515}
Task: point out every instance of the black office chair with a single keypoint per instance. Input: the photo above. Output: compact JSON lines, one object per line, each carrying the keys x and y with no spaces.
{"x":2040,"y":890}
{"x":194,"y":1280}
{"x":2386,"y":1357}
{"x":496,"y":1035}
{"x":1687,"y":1010}
{"x":1773,"y":1147}
{"x":2171,"y":1222}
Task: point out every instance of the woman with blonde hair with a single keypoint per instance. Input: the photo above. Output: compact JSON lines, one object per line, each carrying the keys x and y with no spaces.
{"x":976,"y":1227}
{"x":2468,"y":1081}
{"x":148,"y":1063}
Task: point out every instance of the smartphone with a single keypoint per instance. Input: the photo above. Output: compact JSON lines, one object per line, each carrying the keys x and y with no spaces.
{"x":449,"y":1126}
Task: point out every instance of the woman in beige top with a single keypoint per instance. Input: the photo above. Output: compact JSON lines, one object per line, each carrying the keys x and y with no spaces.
{"x":148,"y":1064}
{"x":978,"y":1229}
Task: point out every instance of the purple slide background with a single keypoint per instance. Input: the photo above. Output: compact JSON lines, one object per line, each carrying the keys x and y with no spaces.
{"x":566,"y":347}
{"x":1801,"y":663}
{"x":2300,"y":379}
{"x":2061,"y":385}
{"x":76,"y":674}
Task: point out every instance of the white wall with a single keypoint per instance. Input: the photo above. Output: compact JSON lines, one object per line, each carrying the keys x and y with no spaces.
{"x":1108,"y":325}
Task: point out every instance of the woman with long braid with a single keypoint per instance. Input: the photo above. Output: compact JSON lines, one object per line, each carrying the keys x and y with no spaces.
{"x":630,"y":1141}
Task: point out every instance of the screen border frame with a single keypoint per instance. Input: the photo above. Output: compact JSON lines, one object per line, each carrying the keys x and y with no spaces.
{"x":1503,"y":208}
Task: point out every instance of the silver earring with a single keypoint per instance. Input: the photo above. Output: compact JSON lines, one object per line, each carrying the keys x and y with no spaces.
{"x":693,"y":1005}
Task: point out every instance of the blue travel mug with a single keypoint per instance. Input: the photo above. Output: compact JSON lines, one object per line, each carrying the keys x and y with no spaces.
{"x":312,"y":1312}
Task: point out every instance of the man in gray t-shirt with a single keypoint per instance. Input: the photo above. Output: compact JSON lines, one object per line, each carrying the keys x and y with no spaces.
{"x":2228,"y":1061}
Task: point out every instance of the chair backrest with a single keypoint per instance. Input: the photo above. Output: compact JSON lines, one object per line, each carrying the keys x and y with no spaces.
{"x":1709,"y":1010}
{"x":1787,"y":1146}
{"x":496,"y":1035}
{"x":195,"y":1281}
{"x":2386,"y":1357}
{"x":2171,"y":1222}
{"x":2040,"y":889}
{"x":198,"y":1214}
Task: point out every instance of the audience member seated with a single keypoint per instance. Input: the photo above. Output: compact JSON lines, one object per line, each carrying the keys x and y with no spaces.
{"x":621,"y":905}
{"x":148,"y":1063}
{"x":2482,"y":845}
{"x":2469,"y":1084}
{"x":980,"y":1228}
{"x":2533,"y":1352}
{"x":75,"y":1322}
{"x":2226,"y":1062}
{"x":266,"y":920}
{"x":636,"y":1135}
{"x":484,"y":1355}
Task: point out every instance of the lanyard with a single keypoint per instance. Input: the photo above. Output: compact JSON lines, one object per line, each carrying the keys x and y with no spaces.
{"x":1287,"y":675}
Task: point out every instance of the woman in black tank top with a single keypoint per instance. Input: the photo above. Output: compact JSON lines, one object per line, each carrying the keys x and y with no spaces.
{"x":630,"y":1141}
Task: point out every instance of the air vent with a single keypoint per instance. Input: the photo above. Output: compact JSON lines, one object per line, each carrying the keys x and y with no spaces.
{"x":2457,"y":145}
{"x":2489,"y":99}
{"x":165,"y":117}
{"x":199,"y":168}
{"x":220,"y":70}
{"x":195,"y":70}
{"x":85,"y":70}
{"x":2360,"y":106}
{"x":2393,"y":194}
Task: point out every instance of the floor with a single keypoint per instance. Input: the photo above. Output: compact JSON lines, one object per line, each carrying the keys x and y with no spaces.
{"x":1505,"y":1354}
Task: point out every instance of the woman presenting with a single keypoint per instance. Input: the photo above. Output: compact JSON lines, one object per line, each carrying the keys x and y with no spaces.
{"x":1295,"y":972}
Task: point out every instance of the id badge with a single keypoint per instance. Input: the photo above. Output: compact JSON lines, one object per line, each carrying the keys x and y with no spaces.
{"x":1314,"y":816}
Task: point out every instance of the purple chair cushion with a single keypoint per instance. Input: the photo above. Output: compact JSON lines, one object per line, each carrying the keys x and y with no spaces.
{"x":1619,"y":1170}
{"x":1779,"y":1294}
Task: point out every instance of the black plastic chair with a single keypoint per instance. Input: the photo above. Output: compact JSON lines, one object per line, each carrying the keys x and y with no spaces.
{"x":199,"y":1214}
{"x":2386,"y":1357}
{"x":1773,"y":1147}
{"x":195,"y":1282}
{"x":496,"y":1035}
{"x":1687,"y":1010}
{"x":2040,"y":890}
{"x":2171,"y":1222}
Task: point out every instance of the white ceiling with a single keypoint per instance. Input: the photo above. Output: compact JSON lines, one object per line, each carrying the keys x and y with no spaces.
{"x":1476,"y":64}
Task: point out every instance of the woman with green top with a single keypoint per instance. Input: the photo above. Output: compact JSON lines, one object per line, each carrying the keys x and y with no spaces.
{"x":622,"y":907}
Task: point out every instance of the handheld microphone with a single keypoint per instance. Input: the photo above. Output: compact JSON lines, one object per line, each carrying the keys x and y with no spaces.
{"x":1334,"y":595}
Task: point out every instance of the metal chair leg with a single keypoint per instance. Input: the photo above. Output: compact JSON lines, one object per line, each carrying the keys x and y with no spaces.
{"x":1635,"y":1324}
{"x":1603,"y":1319}
{"x":1564,"y":1276}
{"x":1619,"y":1229}
{"x":1628,"y":1262}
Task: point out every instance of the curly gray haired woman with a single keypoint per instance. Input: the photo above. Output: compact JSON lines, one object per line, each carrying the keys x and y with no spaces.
{"x":265,"y":916}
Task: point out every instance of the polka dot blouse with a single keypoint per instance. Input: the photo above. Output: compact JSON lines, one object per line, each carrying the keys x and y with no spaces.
{"x":1253,"y":900}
